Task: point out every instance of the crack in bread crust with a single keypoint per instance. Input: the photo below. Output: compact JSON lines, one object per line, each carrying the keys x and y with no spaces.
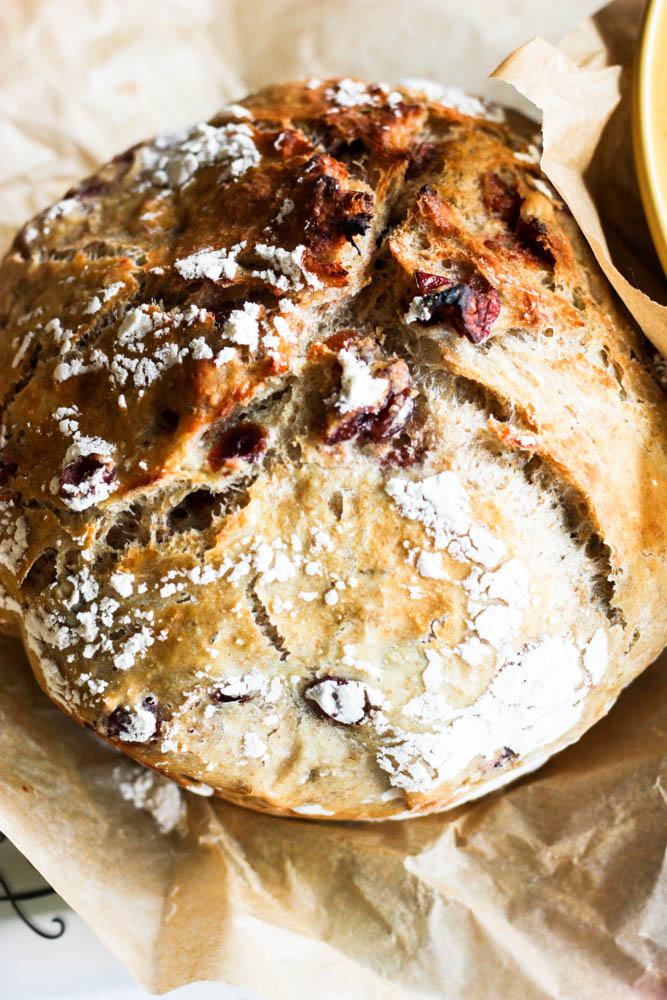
{"x":509,"y":426}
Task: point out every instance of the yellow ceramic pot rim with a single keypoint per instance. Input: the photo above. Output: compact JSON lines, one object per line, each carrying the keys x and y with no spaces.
{"x":649,"y":122}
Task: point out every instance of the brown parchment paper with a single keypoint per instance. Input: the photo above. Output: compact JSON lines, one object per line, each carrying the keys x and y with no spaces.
{"x":553,"y":888}
{"x":583,"y":88}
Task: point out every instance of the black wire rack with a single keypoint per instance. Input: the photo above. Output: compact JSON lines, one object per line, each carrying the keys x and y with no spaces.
{"x":17,"y":899}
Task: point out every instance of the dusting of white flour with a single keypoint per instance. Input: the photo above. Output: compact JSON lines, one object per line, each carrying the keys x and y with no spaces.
{"x":158,"y":796}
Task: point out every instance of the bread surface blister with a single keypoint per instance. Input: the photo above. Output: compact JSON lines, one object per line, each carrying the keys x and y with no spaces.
{"x":332,"y":473}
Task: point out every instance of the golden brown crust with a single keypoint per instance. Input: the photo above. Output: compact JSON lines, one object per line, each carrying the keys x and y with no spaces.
{"x":331,"y":470}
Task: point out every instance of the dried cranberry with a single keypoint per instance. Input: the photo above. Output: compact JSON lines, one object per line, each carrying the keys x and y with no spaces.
{"x":89,"y":188}
{"x":393,"y":417}
{"x":480,"y":306}
{"x":223,"y":698}
{"x":507,"y":755}
{"x":473,"y":306}
{"x":84,"y":467}
{"x":119,"y":722}
{"x":344,"y":429}
{"x":406,"y":452}
{"x":421,"y":159}
{"x":123,"y":724}
{"x":427,"y":282}
{"x":338,"y":698}
{"x":383,"y":420}
{"x":245,"y":440}
{"x":501,"y":199}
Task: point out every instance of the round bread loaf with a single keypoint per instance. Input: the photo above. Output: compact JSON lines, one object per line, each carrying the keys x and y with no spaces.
{"x":332,"y":471}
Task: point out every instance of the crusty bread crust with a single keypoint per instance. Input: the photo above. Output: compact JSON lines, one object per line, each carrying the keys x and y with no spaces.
{"x":332,"y":470}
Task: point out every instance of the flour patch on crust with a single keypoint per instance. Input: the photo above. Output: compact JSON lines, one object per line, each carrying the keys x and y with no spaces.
{"x":533,"y":700}
{"x":212,"y":264}
{"x":173,"y":160}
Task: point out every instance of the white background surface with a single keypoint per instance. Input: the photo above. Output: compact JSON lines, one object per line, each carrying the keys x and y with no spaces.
{"x":77,"y":966}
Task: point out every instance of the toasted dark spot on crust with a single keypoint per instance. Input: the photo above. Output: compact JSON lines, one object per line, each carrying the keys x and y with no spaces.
{"x":333,"y":214}
{"x":355,"y":225}
{"x":533,"y":236}
{"x":291,"y":142}
{"x":348,"y":151}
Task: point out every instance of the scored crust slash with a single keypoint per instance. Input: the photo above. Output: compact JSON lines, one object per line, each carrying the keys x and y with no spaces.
{"x":331,"y":472}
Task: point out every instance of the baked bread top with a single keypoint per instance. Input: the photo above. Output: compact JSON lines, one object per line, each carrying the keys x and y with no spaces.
{"x":332,"y":470}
